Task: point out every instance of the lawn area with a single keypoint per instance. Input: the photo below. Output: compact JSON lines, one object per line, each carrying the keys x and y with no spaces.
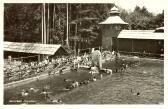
{"x":142,"y":84}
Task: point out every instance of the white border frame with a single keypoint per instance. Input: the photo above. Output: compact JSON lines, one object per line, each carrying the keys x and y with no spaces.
{"x":2,"y":106}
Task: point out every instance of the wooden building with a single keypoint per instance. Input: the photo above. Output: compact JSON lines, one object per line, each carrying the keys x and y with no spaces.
{"x":142,"y":42}
{"x":114,"y":37}
{"x":34,"y":50}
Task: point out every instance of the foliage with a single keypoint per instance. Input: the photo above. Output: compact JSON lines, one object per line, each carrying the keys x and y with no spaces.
{"x":142,"y":19}
{"x":22,"y":22}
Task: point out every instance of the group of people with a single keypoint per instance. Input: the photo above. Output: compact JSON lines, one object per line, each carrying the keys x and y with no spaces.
{"x":44,"y":92}
{"x":71,"y":84}
{"x":123,"y":64}
{"x":17,"y":70}
{"x":23,"y":70}
{"x":108,"y":55}
{"x":74,"y":83}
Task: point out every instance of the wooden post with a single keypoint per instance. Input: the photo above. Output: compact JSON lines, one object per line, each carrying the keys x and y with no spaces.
{"x":132,"y":46}
{"x":9,"y":59}
{"x":117,"y":44}
{"x":78,"y":51}
{"x":111,"y":44}
{"x":39,"y":58}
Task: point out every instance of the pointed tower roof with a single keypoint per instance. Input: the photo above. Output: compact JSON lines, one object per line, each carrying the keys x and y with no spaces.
{"x":114,"y":10}
{"x":114,"y":17}
{"x":113,"y":20}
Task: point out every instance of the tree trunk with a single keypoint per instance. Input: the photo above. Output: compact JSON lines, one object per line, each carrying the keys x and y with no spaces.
{"x":67,"y":39}
{"x":54,"y":17}
{"x":76,"y":27}
{"x":48,"y":25}
{"x":53,"y":28}
{"x":44,"y":25}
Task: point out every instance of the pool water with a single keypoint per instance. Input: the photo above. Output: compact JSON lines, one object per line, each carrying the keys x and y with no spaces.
{"x":87,"y":93}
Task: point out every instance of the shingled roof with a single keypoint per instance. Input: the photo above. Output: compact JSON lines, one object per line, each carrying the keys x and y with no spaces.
{"x":114,"y":20}
{"x":48,"y":49}
{"x":140,"y":34}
